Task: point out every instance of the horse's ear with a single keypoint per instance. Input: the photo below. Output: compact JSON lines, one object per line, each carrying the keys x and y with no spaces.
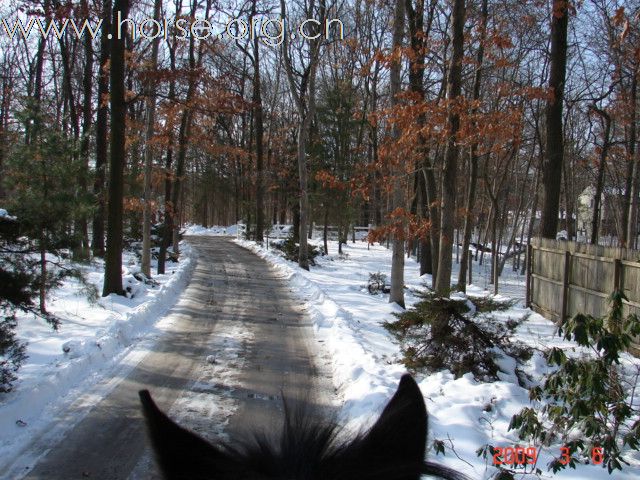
{"x":182,"y":454}
{"x":400,"y":434}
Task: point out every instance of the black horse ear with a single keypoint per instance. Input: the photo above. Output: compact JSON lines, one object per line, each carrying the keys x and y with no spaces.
{"x":400,"y":434}
{"x":181,"y":454}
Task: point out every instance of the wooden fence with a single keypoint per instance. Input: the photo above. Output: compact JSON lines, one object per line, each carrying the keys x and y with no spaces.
{"x":565,"y":278}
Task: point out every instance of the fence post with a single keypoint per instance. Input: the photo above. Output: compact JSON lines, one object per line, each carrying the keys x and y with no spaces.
{"x":470,"y":266}
{"x":565,"y":285}
{"x":529,"y":260}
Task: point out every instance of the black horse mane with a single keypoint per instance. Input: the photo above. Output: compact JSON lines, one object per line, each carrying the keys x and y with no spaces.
{"x":310,"y":446}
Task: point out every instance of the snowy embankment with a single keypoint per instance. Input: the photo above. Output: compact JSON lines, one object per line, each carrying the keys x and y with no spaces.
{"x":464,"y":414}
{"x":93,"y":337}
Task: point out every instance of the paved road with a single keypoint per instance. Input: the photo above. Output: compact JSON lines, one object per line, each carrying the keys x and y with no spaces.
{"x":230,"y":286}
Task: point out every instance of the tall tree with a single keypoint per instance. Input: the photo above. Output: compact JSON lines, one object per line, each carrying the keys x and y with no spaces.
{"x":419,"y":35}
{"x":449,"y":172}
{"x":554,"y":155}
{"x":259,"y":131}
{"x":303,"y":92}
{"x":473,"y":154}
{"x":602,"y":163}
{"x":148,"y":148}
{"x":87,"y":119}
{"x":102,"y":124}
{"x":397,"y":256}
{"x":634,"y":158}
{"x":113,"y":256}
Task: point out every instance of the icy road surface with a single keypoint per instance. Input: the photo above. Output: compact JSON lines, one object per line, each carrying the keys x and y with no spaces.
{"x":236,"y":340}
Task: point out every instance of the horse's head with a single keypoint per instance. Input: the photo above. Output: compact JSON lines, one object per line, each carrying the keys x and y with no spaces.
{"x":392,"y":449}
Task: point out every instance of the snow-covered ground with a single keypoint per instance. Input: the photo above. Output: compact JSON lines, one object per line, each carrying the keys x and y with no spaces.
{"x":93,"y":338}
{"x":465,"y":414}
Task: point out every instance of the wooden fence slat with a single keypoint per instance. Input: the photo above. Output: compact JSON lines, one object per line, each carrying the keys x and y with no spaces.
{"x":565,"y":285}
{"x":545,"y":279}
{"x":593,"y":257}
{"x":588,"y":291}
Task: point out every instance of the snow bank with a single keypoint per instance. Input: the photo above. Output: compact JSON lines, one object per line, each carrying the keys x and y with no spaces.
{"x":463,"y":413}
{"x":91,"y":339}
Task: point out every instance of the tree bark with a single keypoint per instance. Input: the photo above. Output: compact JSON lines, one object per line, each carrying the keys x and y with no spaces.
{"x":397,"y":197}
{"x":632,"y":217}
{"x":33,"y":123}
{"x":473,"y":156}
{"x":97,"y":240}
{"x":259,"y":131}
{"x":304,"y":95}
{"x":419,"y":35}
{"x":449,"y":173}
{"x":87,"y":114}
{"x":5,"y":93}
{"x":426,"y":258}
{"x":148,"y":148}
{"x":168,"y":182}
{"x":604,"y":152}
{"x":303,"y":136}
{"x":552,"y":170}
{"x":113,"y":257}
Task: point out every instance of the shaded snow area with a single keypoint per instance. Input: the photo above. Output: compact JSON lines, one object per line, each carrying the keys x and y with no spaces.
{"x":94,"y":337}
{"x":463,"y":413}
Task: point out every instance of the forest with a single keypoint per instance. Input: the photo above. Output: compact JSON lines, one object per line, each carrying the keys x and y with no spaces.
{"x":494,"y":121}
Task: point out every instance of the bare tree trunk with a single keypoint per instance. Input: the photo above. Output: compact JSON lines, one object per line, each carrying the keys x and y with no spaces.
{"x":42,"y":294}
{"x":168,"y":183}
{"x":397,"y":256}
{"x":148,"y":148}
{"x":33,"y":124}
{"x":552,"y":171}
{"x":184,"y":135}
{"x":259,"y":131}
{"x":419,"y":35}
{"x":517,"y":214}
{"x":304,"y":95}
{"x":632,"y":218}
{"x":473,"y":156}
{"x":113,"y":257}
{"x":449,"y":174}
{"x":87,"y":113}
{"x":494,"y":245}
{"x":426,"y":259}
{"x":532,"y":217}
{"x":568,"y":201}
{"x":303,"y":137}
{"x":5,"y":94}
{"x":604,"y":152}
{"x":97,"y":240}
{"x":325,"y":229}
